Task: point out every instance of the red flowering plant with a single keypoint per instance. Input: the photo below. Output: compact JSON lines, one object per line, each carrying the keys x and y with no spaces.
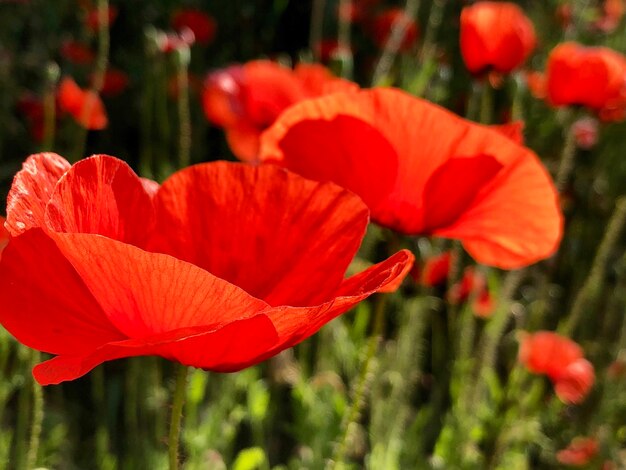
{"x":594,"y":77}
{"x":220,"y":268}
{"x":85,"y":106}
{"x":246,"y":99}
{"x":495,"y":36}
{"x":424,"y":171}
{"x":562,"y":360}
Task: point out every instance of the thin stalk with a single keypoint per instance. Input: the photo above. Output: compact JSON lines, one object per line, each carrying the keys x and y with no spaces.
{"x":432,"y":28}
{"x":316,"y":31}
{"x":394,"y":41}
{"x":184,"y":115}
{"x":36,"y":418}
{"x":362,"y":386}
{"x":486,"y":103}
{"x":49,"y":107}
{"x":497,"y":327}
{"x":102,"y":429}
{"x":568,"y":160}
{"x":180,"y":390}
{"x":596,"y":277}
{"x":343,"y":39}
{"x":102,"y":60}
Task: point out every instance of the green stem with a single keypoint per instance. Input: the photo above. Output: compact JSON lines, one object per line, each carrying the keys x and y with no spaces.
{"x":317,"y":27}
{"x":37,"y":419}
{"x":394,"y":41}
{"x":596,"y":277}
{"x":568,"y":160}
{"x":184,"y":117}
{"x":343,"y":40}
{"x":360,"y":392}
{"x":486,"y":104}
{"x":180,"y":390}
{"x":102,"y":61}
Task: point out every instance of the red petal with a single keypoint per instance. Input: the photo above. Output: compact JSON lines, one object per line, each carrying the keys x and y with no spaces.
{"x":4,"y":235}
{"x":295,"y":324}
{"x":31,"y":190}
{"x":233,"y":347}
{"x":85,"y":106}
{"x":512,"y":130}
{"x":516,"y":221}
{"x":243,"y":141}
{"x":278,"y":236}
{"x":102,"y":195}
{"x":548,"y":353}
{"x":574,"y":383}
{"x":364,"y":142}
{"x":144,"y":293}
{"x":45,"y":304}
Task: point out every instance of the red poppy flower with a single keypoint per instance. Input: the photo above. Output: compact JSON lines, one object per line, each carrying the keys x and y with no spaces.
{"x":436,"y":270}
{"x":594,"y":77}
{"x":77,"y":53}
{"x":246,"y":99}
{"x":384,"y":23}
{"x":424,"y":170}
{"x":612,"y":14}
{"x":579,"y":452}
{"x":561,"y":359}
{"x":495,"y":36}
{"x":221,"y":267}
{"x":92,"y":20}
{"x":201,"y":24}
{"x":84,"y":106}
{"x":115,"y":82}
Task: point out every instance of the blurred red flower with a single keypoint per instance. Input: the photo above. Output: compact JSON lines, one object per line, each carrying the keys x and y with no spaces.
{"x":108,"y":265}
{"x":579,"y":452}
{"x":92,"y":20}
{"x":562,"y":360}
{"x":594,"y":77}
{"x":84,"y":106}
{"x":383,"y":24}
{"x":586,"y":132}
{"x":77,"y":53}
{"x":436,"y":269}
{"x":246,"y":99}
{"x":495,"y":36}
{"x":115,"y":82}
{"x":201,"y":24}
{"x":612,"y":14}
{"x":423,"y":170}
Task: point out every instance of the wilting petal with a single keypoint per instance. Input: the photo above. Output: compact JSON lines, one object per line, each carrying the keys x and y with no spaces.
{"x":31,"y":190}
{"x":45,"y":303}
{"x":295,"y":324}
{"x":223,"y":349}
{"x":146,"y":293}
{"x":102,"y":195}
{"x":264,"y":229}
{"x":407,"y":159}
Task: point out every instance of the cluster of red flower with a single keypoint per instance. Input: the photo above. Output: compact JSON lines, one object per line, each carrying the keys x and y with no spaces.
{"x":225,"y":265}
